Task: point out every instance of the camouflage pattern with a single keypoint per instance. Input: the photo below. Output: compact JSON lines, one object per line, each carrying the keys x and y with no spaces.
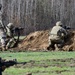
{"x":0,"y":14}
{"x":10,"y":43}
{"x":10,"y":35}
{"x":57,"y":34}
{"x":2,"y":33}
{"x":2,"y":37}
{"x":9,"y":32}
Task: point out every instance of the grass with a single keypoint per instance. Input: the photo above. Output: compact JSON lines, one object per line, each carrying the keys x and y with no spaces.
{"x":41,"y":63}
{"x":37,"y":55}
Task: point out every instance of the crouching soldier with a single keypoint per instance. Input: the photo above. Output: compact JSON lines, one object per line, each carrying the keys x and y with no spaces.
{"x":10,"y":35}
{"x":56,"y":37}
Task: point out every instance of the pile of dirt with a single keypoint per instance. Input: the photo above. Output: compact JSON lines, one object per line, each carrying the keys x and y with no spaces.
{"x":39,"y":41}
{"x":35,"y":41}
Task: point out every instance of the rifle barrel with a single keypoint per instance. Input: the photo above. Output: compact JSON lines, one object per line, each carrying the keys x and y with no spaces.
{"x":21,"y":63}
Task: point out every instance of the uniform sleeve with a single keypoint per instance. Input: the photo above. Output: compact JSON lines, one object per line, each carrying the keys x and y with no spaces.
{"x":63,"y":32}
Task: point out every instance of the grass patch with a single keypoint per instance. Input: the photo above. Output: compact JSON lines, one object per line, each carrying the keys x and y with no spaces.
{"x":41,"y":63}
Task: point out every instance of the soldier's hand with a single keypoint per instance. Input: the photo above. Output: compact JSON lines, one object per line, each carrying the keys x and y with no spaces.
{"x":3,"y":68}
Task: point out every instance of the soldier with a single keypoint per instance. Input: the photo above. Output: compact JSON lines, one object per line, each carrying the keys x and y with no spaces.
{"x":57,"y":35}
{"x":10,"y":35}
{"x":2,"y":32}
{"x":0,"y":12}
{"x":2,"y":66}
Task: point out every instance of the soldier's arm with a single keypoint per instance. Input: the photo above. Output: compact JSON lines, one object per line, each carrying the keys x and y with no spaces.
{"x":64,"y":32}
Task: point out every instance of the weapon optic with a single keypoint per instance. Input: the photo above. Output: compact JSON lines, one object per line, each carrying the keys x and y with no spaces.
{"x":67,"y":27}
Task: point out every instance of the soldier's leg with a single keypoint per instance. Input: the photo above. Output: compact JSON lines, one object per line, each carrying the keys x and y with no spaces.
{"x":59,"y":45}
{"x":51,"y":45}
{"x":10,"y":43}
{"x":3,"y":44}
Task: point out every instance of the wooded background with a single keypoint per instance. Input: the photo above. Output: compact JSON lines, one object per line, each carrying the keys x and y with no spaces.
{"x":36,"y":15}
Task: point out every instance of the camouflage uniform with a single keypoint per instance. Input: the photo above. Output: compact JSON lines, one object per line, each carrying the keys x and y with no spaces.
{"x":2,"y":32}
{"x":2,"y":38}
{"x":10,"y":35}
{"x":57,"y":35}
{"x":0,"y":12}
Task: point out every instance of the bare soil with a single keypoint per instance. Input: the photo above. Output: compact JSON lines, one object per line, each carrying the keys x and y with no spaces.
{"x":38,"y":41}
{"x":35,"y":41}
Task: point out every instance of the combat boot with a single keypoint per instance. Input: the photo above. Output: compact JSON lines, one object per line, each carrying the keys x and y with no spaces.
{"x":51,"y":47}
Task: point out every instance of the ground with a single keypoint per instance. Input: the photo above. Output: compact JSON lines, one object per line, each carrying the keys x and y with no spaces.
{"x":41,"y":63}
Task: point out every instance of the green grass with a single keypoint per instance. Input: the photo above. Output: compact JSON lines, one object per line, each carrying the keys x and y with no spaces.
{"x":37,"y":55}
{"x":42,"y":63}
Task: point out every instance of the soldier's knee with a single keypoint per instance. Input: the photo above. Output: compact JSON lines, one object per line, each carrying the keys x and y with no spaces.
{"x":11,"y":40}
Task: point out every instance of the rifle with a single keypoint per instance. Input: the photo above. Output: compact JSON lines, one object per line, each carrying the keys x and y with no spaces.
{"x":67,"y":27}
{"x":17,"y":31}
{"x":9,"y":63}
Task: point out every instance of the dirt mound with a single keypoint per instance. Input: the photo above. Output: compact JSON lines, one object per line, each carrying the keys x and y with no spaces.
{"x":39,"y":41}
{"x":35,"y":41}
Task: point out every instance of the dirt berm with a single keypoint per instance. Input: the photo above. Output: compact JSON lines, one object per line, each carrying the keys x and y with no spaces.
{"x":38,"y":40}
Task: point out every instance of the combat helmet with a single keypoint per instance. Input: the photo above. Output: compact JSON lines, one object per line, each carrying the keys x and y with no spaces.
{"x":10,"y":25}
{"x":59,"y":23}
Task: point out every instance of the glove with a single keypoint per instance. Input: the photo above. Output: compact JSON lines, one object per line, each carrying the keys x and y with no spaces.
{"x":3,"y":68}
